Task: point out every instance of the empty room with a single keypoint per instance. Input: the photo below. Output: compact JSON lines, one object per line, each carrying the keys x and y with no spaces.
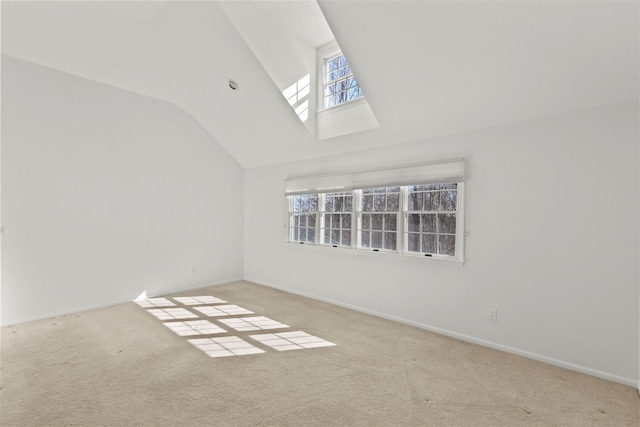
{"x":320,"y":213}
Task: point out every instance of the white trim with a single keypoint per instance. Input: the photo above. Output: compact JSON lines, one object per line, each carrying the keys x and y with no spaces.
{"x":383,"y":253}
{"x":530,"y":355}
{"x":325,"y":111}
{"x":109,"y":304}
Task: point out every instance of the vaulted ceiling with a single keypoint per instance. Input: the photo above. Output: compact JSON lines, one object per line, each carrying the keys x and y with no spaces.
{"x":428,"y":68}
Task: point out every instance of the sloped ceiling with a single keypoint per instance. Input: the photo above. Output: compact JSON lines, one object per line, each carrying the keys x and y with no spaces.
{"x":428,"y":68}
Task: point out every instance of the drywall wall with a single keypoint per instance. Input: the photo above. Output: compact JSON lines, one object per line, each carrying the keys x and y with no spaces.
{"x":107,"y":194}
{"x":551,"y":216}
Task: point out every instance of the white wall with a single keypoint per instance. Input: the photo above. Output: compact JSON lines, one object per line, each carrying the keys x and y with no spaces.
{"x":105,"y":193}
{"x":552,"y":242}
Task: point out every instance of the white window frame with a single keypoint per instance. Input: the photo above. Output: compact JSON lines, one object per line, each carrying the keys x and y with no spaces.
{"x":325,"y":54}
{"x":401,"y":225}
{"x":291,"y":212}
{"x":323,"y":212}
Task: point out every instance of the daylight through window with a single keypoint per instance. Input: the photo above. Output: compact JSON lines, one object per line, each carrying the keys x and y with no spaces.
{"x":421,"y":220}
{"x":340,"y":85}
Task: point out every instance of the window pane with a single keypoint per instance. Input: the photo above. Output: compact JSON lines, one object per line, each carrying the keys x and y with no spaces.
{"x":332,"y":64}
{"x":449,"y":200}
{"x":342,"y":61}
{"x":348,"y":206}
{"x":351,"y":82}
{"x":414,"y":201}
{"x":311,"y":220}
{"x":296,"y":220}
{"x":429,"y":243}
{"x":311,"y":235}
{"x":327,"y":237}
{"x":328,"y":203}
{"x":365,"y":240}
{"x":303,"y":220}
{"x":332,"y":76}
{"x":303,"y":234}
{"x":346,"y":220}
{"x":367,"y":203}
{"x":429,"y":223}
{"x":366,"y":221}
{"x":378,"y":203}
{"x":390,"y":241}
{"x":346,"y":238}
{"x":330,"y":89}
{"x":413,"y":222}
{"x":376,"y":222}
{"x":449,"y":186}
{"x":390,"y":222}
{"x":393,"y":202}
{"x":338,"y":204}
{"x":413,"y":243}
{"x":296,"y":234}
{"x":335,"y":237}
{"x":432,"y":201}
{"x":335,"y":221}
{"x":447,"y":245}
{"x":313,"y":203}
{"x":352,"y":93}
{"x":447,"y":223}
{"x":376,"y":239}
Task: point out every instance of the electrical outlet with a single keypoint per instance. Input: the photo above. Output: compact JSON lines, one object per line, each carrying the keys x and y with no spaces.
{"x":493,"y":314}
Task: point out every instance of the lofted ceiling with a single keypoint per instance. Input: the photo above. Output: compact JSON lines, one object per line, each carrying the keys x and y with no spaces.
{"x":428,"y":68}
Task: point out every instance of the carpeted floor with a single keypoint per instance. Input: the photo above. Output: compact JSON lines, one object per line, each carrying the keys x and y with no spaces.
{"x":121,"y":366}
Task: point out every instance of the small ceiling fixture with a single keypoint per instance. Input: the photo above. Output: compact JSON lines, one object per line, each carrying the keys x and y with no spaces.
{"x":233,"y":85}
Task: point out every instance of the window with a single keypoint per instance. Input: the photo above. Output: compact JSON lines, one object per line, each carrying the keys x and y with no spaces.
{"x":303,"y":212}
{"x":416,"y":219}
{"x":379,"y":218}
{"x":431,"y":219}
{"x":340,"y":85}
{"x":337,"y":219}
{"x":415,"y":210}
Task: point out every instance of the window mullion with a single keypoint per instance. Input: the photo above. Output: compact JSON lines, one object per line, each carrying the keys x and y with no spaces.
{"x":319,"y":214}
{"x":400,"y":240}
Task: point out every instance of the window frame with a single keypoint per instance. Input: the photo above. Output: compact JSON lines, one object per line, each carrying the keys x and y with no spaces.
{"x":401,"y":225}
{"x":327,"y":53}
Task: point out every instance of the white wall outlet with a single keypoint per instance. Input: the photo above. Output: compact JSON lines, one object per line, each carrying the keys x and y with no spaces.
{"x":493,"y":314}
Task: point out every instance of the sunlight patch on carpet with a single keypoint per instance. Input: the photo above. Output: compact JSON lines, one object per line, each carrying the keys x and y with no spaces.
{"x":207,"y":299}
{"x":252,"y":323}
{"x":225,"y":346}
{"x":172,"y":313}
{"x":155,"y":302}
{"x":222,"y":310}
{"x":291,"y":340}
{"x":194,"y":327}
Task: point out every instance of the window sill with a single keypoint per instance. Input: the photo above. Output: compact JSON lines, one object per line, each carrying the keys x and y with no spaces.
{"x":382,"y":253}
{"x":341,"y":107}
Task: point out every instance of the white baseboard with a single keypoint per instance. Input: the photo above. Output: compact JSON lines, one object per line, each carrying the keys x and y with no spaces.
{"x":109,"y":304}
{"x":550,"y":360}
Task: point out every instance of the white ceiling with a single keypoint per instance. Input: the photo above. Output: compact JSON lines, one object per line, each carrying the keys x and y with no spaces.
{"x":428,"y":68}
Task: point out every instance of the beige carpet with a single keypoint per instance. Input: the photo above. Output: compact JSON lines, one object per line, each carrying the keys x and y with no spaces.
{"x":120,"y":366}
